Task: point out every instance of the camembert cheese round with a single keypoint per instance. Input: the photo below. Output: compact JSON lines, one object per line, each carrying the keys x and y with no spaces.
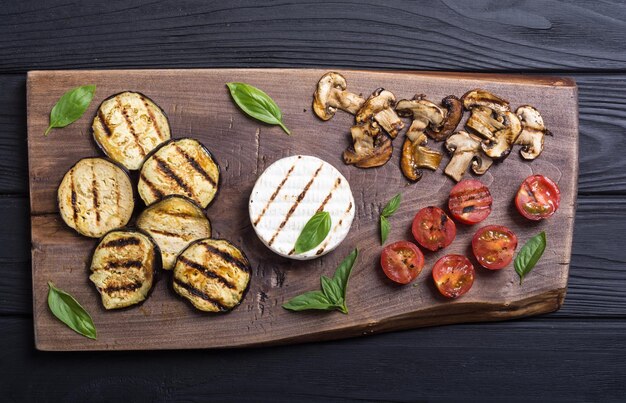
{"x":288,"y":193}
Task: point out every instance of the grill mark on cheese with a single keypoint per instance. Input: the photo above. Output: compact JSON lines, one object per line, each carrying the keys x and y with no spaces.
{"x":155,"y":191}
{"x":73,"y":198}
{"x":295,"y":205}
{"x":198,"y":293}
{"x":104,"y":123}
{"x":122,"y":287}
{"x":227,"y":257}
{"x":169,"y":172}
{"x":117,"y":243}
{"x":130,"y":126}
{"x":273,"y":196}
{"x":335,"y":228}
{"x":152,"y":118}
{"x":195,"y":165}
{"x":94,"y":192}
{"x":206,"y":272}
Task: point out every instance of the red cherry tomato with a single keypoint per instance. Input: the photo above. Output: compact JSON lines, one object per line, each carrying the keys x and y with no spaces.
{"x":538,"y":197}
{"x":433,"y":229}
{"x":453,"y":275}
{"x":402,"y":261}
{"x":494,"y":246}
{"x":470,"y":201}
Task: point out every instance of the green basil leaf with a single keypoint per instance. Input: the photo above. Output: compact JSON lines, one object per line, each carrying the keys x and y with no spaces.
{"x":529,"y":255}
{"x":392,"y":206}
{"x":384,"y":229}
{"x":332,"y":290}
{"x":71,"y":106}
{"x":70,"y":312}
{"x":257,"y":104}
{"x":314,"y":232}
{"x":342,"y":274}
{"x":309,"y":300}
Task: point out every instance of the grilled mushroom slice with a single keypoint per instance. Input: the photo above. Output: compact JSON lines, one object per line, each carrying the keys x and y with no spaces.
{"x":212,"y":274}
{"x":479,"y":97}
{"x":466,"y":149}
{"x":174,"y":223}
{"x":367,"y":151}
{"x":182,"y":166}
{"x":331,"y":95}
{"x":424,"y":113}
{"x":95,"y":196}
{"x":124,"y":267}
{"x":378,"y":111}
{"x":128,"y":126}
{"x":454,"y":115}
{"x":533,"y":132}
{"x":415,"y":155}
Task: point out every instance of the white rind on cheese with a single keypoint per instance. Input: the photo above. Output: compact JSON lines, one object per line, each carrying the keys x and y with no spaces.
{"x":277,"y":215}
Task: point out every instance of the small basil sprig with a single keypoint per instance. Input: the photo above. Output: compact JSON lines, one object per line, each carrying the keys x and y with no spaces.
{"x":314,"y":232}
{"x":333,"y":293}
{"x":388,"y":210}
{"x":70,"y":107}
{"x":70,"y":312}
{"x":257,"y":104}
{"x":529,"y":255}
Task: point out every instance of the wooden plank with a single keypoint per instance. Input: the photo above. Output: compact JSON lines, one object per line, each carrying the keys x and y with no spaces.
{"x":450,"y":35}
{"x":198,"y":105}
{"x":462,"y":361}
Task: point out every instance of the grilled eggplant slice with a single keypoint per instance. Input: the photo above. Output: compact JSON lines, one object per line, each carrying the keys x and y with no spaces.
{"x":128,"y":126}
{"x":124,"y":267}
{"x":174,"y":223}
{"x":183,"y":167}
{"x":95,"y":196}
{"x":212,"y":274}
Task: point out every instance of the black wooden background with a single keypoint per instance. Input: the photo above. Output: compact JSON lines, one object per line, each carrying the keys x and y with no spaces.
{"x":577,"y":353}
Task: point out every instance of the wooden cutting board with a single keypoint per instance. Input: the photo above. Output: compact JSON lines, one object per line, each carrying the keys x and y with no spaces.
{"x":198,"y":105}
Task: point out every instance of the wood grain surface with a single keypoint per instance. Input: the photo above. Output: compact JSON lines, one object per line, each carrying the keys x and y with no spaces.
{"x":198,"y":105}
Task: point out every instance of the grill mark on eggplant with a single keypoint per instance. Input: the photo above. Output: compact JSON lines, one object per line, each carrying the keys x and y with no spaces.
{"x":116,"y":243}
{"x":273,"y":196}
{"x":227,"y":257}
{"x":195,"y":165}
{"x":125,"y":287}
{"x":198,"y":293}
{"x":74,"y":199}
{"x":166,"y":233}
{"x":104,"y":123}
{"x":152,"y":118}
{"x":124,"y":264}
{"x":130,"y":126}
{"x":206,"y":272}
{"x":169,"y":172}
{"x":155,"y":191}
{"x":94,"y":192}
{"x":181,"y":214}
{"x":295,"y":205}
{"x":321,"y":249}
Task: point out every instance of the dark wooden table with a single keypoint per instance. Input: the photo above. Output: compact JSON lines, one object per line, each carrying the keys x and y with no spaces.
{"x":577,"y":353}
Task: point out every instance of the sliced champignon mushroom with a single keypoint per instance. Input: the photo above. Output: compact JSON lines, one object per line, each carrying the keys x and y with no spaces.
{"x":331,"y":95}
{"x":424,"y":113}
{"x":369,"y":149}
{"x":379,"y":108}
{"x":466,"y":149}
{"x":454,"y":115}
{"x":533,"y":132}
{"x":478,"y":97}
{"x":416,"y":155}
{"x":500,"y":147}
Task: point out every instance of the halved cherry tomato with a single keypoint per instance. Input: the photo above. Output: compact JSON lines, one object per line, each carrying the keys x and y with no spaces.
{"x":470,"y":201}
{"x":494,"y":246}
{"x":453,"y":275}
{"x":402,"y":261}
{"x":433,"y":229}
{"x":538,"y":197}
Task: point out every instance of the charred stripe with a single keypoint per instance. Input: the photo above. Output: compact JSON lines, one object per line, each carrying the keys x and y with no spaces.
{"x":321,"y":249}
{"x":295,"y":205}
{"x":195,"y":165}
{"x":330,"y":195}
{"x":198,"y":293}
{"x":130,"y":126}
{"x":94,"y":191}
{"x":273,"y":196}
{"x":124,"y":264}
{"x":104,"y":123}
{"x":152,"y":118}
{"x":166,"y":233}
{"x":122,"y":287}
{"x":155,"y":191}
{"x":74,"y":199}
{"x":169,"y":172}
{"x":206,"y":271}
{"x":227,"y":257}
{"x":117,"y":243}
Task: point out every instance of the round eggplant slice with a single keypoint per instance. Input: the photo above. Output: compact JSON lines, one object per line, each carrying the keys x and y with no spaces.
{"x":182,"y":167}
{"x":212,"y":274}
{"x":124,"y":267}
{"x":95,"y":196}
{"x":174,"y":223}
{"x":128,"y":126}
